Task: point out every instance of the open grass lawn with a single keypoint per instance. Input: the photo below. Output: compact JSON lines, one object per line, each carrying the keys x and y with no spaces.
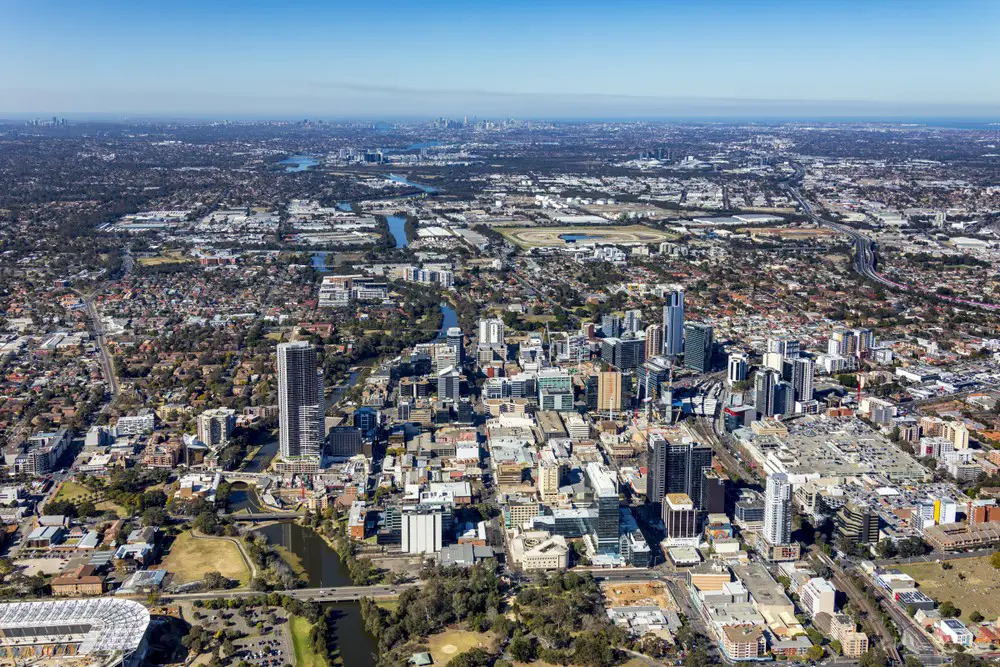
{"x":71,"y":490}
{"x":446,"y":645}
{"x":978,"y":591}
{"x":75,"y":491}
{"x":171,"y":257}
{"x":191,"y":557}
{"x":305,"y":656}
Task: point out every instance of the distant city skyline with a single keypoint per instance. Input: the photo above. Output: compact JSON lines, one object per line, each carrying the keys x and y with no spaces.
{"x":631,"y":59}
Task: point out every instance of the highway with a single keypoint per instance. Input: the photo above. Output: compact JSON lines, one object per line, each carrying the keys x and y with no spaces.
{"x":865,"y":261}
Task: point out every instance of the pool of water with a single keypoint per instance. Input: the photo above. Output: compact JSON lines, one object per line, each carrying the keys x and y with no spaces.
{"x":573,"y":238}
{"x":397,"y":225}
{"x":299,"y":162}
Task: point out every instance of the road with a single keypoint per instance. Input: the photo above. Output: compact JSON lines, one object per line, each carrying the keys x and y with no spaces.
{"x":107,"y":364}
{"x":330,"y":594}
{"x":865,"y":261}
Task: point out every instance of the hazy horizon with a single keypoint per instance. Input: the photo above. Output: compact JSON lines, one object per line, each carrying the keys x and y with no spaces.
{"x":558,"y":59}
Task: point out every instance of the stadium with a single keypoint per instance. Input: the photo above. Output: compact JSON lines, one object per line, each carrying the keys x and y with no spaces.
{"x":551,"y":237}
{"x":109,"y":631}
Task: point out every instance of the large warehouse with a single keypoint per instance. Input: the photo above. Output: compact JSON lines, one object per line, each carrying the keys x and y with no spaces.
{"x":110,"y":628}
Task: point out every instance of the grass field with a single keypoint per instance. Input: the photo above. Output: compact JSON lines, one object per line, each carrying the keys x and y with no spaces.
{"x":191,"y":557}
{"x":305,"y":656}
{"x":538,"y":237}
{"x":74,"y":491}
{"x":171,"y":257}
{"x":446,"y":645}
{"x":971,"y":585}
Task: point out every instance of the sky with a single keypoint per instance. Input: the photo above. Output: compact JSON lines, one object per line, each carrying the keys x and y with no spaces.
{"x":556,"y":58}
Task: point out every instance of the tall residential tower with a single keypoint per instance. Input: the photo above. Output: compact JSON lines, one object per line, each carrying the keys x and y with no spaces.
{"x":300,"y":401}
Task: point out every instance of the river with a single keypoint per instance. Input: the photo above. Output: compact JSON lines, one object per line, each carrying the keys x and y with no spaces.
{"x":324,"y":569}
{"x":449,"y":319}
{"x":429,"y":189}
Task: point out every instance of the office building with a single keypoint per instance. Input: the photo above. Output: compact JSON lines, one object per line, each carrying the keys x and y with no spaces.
{"x":698,"y":347}
{"x":609,"y":392}
{"x":737,"y":368}
{"x":422,"y":530}
{"x":673,"y":324}
{"x":216,"y":426}
{"x":602,"y":483}
{"x":449,"y":384}
{"x":778,"y":510}
{"x":676,"y":467}
{"x":650,"y":376}
{"x":491,"y":332}
{"x":623,"y":353}
{"x":549,"y":477}
{"x":857,"y":523}
{"x":555,"y":390}
{"x":456,"y":339}
{"x":301,"y":405}
{"x":786,"y":347}
{"x":344,"y":441}
{"x":772,"y":395}
{"x":632,"y":322}
{"x":680,"y":518}
{"x":612,"y":325}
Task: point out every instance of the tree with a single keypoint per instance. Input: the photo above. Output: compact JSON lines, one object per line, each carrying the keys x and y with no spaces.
{"x":873,"y":658}
{"x":522,"y":649}
{"x":592,"y":648}
{"x":886,"y":548}
{"x":154,"y":516}
{"x":976,"y":617}
{"x":815,"y":652}
{"x":995,"y":558}
{"x":949,"y":610}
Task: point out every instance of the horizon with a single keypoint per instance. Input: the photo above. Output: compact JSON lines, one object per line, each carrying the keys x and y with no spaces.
{"x":768,"y":58}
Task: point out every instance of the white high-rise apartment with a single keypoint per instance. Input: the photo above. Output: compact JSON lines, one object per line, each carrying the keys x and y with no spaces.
{"x":491,"y":332}
{"x":673,"y":323}
{"x":738,"y":365}
{"x":778,"y":509}
{"x":300,"y":401}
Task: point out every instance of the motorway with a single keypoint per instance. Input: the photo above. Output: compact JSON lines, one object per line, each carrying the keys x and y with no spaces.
{"x":865,"y":258}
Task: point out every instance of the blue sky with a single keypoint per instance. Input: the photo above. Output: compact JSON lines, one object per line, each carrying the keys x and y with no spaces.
{"x":557,"y":58}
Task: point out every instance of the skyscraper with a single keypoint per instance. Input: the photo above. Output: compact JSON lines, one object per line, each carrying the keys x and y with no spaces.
{"x":675,"y":467}
{"x":300,"y":401}
{"x":763,"y":389}
{"x":456,"y":339}
{"x":698,"y":347}
{"x":737,"y":367}
{"x":802,"y":378}
{"x":778,"y":509}
{"x":673,"y":323}
{"x":602,"y":483}
{"x":656,"y":470}
{"x":654,"y":340}
{"x":609,"y":392}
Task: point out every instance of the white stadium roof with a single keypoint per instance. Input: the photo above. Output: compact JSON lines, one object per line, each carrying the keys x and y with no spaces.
{"x":98,"y":624}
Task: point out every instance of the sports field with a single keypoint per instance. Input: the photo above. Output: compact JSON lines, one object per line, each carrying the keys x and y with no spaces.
{"x":540,"y":237}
